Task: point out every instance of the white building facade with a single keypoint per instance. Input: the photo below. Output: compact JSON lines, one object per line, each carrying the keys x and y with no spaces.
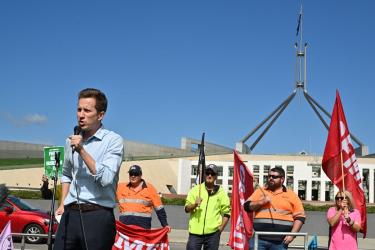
{"x":304,"y":174}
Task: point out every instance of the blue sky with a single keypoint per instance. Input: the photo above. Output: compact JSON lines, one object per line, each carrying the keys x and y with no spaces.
{"x":179,"y":68}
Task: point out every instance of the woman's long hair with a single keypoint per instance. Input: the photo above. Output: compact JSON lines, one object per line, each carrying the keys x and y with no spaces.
{"x":348,"y":196}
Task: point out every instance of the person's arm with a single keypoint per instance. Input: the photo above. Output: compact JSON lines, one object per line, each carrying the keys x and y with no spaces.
{"x":106,"y":170}
{"x":256,"y":201}
{"x":355,"y":222}
{"x":225,"y":209}
{"x":192,"y":206}
{"x":332,"y":221}
{"x":158,"y":205}
{"x":64,"y":192}
{"x":297,"y":225}
{"x":298,"y":216}
{"x":224,"y":222}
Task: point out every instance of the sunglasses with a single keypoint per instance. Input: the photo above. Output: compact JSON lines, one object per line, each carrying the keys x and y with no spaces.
{"x":339,"y":198}
{"x":210,"y":173}
{"x":274,"y":176}
{"x":134,"y":174}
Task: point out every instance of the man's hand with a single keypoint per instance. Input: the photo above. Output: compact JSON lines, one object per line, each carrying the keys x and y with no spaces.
{"x":169,"y":229}
{"x":288,"y":239}
{"x":198,"y":201}
{"x":60,"y":210}
{"x":266,"y":200}
{"x":76,"y":142}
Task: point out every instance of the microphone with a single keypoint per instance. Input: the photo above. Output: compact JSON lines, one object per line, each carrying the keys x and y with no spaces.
{"x":77,"y":130}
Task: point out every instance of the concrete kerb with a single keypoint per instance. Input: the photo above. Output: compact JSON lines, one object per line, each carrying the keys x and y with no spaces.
{"x":181,"y":236}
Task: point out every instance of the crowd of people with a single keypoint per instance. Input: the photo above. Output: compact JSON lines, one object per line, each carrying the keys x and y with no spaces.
{"x":90,"y":191}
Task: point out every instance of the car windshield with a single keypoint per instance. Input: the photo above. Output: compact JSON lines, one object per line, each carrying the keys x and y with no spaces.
{"x":23,"y":205}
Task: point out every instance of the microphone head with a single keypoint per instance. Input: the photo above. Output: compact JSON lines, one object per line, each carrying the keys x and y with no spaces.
{"x":4,"y":192}
{"x":77,"y":130}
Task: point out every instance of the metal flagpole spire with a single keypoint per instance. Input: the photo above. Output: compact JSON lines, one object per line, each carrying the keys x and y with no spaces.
{"x":300,"y":84}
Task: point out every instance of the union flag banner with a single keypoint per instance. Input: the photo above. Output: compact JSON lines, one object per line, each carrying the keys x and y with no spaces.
{"x":339,"y":151}
{"x":6,"y":242}
{"x":241,"y":228}
{"x":133,"y":237}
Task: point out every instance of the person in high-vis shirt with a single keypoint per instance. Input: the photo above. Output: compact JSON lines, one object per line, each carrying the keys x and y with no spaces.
{"x":209,"y":208}
{"x":137,"y":199}
{"x":277,"y":209}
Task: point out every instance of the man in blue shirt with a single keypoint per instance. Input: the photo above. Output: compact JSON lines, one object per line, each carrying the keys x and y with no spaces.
{"x":92,"y":162}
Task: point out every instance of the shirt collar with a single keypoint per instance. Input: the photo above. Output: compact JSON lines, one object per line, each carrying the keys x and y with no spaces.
{"x":99,"y":134}
{"x":144,"y":185}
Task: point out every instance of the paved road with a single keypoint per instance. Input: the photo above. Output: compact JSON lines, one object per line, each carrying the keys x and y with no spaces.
{"x":178,"y":220}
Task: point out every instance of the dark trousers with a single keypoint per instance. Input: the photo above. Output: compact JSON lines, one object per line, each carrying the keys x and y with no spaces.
{"x":99,"y":225}
{"x":208,"y":241}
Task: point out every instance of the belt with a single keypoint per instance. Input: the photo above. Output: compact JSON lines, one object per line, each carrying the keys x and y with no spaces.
{"x":85,"y":207}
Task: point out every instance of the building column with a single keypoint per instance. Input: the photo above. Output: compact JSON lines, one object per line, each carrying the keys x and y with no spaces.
{"x":322,"y":190}
{"x":308,"y":190}
{"x":371,"y":185}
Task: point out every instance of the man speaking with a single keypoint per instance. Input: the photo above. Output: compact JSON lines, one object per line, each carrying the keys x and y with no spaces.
{"x":93,"y":156}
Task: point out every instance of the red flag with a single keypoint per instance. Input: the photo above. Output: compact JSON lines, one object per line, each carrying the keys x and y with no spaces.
{"x":241,"y":228}
{"x":339,"y":143}
{"x":134,"y":237}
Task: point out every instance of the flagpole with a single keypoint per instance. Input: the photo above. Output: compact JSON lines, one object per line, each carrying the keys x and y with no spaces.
{"x":342,"y":173}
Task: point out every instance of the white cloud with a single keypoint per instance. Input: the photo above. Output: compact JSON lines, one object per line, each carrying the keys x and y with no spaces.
{"x":26,"y":120}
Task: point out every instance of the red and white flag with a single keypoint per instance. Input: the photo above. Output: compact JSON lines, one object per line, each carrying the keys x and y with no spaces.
{"x":6,"y":242}
{"x":339,"y":143}
{"x":241,"y":228}
{"x":133,"y":237}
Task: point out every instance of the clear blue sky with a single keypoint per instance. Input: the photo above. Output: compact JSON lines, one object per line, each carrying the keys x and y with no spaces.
{"x":178,"y":68}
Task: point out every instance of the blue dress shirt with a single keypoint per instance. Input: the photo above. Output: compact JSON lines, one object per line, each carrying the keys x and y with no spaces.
{"x":106,"y":148}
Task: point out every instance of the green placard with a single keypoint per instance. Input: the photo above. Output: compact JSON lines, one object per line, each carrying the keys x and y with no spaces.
{"x":50,"y":162}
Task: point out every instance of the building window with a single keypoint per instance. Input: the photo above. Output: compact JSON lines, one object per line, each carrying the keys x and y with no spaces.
{"x":220,"y":170}
{"x":289,"y":169}
{"x":266,"y":169}
{"x":255,"y":168}
{"x":316,"y":170}
{"x":290,"y":182}
{"x":302,"y":189}
{"x":329,"y":191}
{"x":315,"y":190}
{"x":194,"y":170}
{"x":265,"y":179}
{"x":365,"y":174}
{"x":230,"y":171}
{"x":256,"y":181}
{"x":278,"y":166}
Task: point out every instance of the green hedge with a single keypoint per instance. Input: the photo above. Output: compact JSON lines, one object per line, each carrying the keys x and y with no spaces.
{"x":26,"y":194}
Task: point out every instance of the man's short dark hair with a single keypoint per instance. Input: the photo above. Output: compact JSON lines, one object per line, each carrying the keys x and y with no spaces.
{"x":101,"y":99}
{"x":279,"y":170}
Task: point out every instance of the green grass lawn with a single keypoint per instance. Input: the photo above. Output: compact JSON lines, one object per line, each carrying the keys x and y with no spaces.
{"x":20,"y":163}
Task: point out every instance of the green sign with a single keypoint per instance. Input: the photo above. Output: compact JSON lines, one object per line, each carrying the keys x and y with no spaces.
{"x":50,"y":161}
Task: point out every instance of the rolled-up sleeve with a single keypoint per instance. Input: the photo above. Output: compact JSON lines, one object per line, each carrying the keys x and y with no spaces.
{"x":108,"y":167}
{"x":67,"y":166}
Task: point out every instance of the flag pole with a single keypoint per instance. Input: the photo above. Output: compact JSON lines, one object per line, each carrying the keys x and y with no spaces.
{"x":342,"y":173}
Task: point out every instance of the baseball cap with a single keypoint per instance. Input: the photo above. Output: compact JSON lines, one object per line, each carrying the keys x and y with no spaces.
{"x":213,"y":168}
{"x":135,"y":170}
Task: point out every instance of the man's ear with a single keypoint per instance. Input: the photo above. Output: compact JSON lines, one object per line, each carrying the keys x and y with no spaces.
{"x":101,"y":115}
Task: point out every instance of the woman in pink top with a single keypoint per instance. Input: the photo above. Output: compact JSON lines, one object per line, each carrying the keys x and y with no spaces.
{"x":344,"y":221}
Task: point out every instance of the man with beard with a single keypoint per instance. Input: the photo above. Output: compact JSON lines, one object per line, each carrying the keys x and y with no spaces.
{"x":277,"y":209}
